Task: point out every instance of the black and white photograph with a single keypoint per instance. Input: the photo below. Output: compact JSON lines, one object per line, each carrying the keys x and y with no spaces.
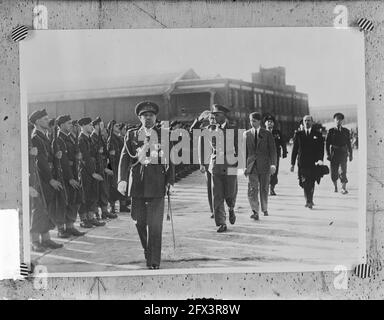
{"x":181,"y":151}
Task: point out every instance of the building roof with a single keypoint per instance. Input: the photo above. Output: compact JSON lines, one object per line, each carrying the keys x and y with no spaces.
{"x":185,"y":81}
{"x":135,"y":85}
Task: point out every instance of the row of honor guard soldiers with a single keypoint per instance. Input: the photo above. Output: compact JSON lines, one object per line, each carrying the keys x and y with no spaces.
{"x":73,"y":171}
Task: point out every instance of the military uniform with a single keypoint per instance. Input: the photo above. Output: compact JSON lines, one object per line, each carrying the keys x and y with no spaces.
{"x":69,"y":172}
{"x":338,"y":146}
{"x":63,"y":173}
{"x":101,"y":157}
{"x":148,"y":182}
{"x":198,"y":124}
{"x":88,"y":207}
{"x":281,"y":149}
{"x":224,"y":184}
{"x":114,"y":147}
{"x":75,"y":196}
{"x":40,"y":223}
{"x":41,"y":169}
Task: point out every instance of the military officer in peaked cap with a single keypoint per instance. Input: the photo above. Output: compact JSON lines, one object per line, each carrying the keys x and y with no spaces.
{"x":281,"y":148}
{"x":151,"y":175}
{"x":89,"y":176}
{"x":43,"y":206}
{"x":72,"y":184}
{"x":224,"y":183}
{"x":339,"y":149}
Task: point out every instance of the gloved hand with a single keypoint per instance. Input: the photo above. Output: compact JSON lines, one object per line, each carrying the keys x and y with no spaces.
{"x":122,"y":187}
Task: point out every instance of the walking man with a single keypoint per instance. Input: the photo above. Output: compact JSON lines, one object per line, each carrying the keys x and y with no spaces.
{"x":339,"y":149}
{"x":151,"y":175}
{"x":308,"y":149}
{"x":261,"y":161}
{"x":224,"y":182}
{"x":204,"y":157}
{"x":281,"y":149}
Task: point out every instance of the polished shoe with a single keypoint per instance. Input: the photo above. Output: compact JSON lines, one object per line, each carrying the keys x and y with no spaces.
{"x":155,"y":267}
{"x":37,"y":247}
{"x":146,"y":259}
{"x":63,"y":234}
{"x":255,"y":216}
{"x":272,"y":192}
{"x":232,"y":216}
{"x":75,"y":232}
{"x":86,"y":224}
{"x":336,"y":189}
{"x":222,"y":228}
{"x":51,"y":244}
{"x":266,"y":213}
{"x":310,"y":205}
{"x":97,"y":223}
{"x":344,"y":191}
{"x":212,"y":216}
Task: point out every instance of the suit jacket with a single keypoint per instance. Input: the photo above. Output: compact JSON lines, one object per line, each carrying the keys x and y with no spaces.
{"x":259,"y":157}
{"x":145,"y":180}
{"x":307,"y":149}
{"x":218,"y":156}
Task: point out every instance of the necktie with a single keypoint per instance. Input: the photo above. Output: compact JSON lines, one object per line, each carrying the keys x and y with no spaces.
{"x":255,"y":139}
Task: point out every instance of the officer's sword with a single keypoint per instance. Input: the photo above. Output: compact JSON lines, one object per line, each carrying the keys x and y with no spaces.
{"x":170,"y":217}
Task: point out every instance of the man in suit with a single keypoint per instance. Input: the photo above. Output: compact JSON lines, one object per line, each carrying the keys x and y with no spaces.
{"x":151,"y":174}
{"x":339,"y":149}
{"x":43,"y":206}
{"x":308,"y":149}
{"x":224,"y":177}
{"x":281,"y":149}
{"x":89,"y":177}
{"x":261,"y":161}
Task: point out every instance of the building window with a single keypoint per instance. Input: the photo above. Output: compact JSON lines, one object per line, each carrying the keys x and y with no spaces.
{"x":236,"y":98}
{"x":259,"y":104}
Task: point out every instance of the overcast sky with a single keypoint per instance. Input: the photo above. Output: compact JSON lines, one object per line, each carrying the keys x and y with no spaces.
{"x":325,"y":63}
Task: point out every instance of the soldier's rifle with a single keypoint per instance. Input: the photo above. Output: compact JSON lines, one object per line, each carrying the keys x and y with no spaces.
{"x":59,"y":168}
{"x":109,"y":143}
